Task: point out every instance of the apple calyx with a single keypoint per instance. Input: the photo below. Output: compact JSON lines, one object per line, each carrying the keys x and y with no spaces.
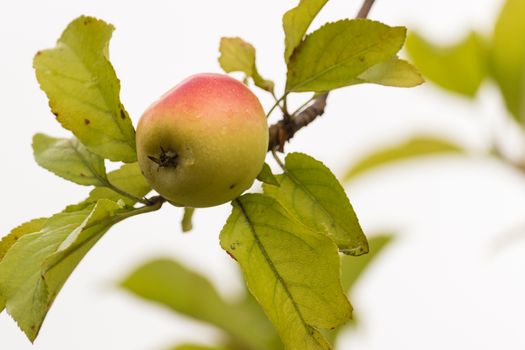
{"x":167,"y":159}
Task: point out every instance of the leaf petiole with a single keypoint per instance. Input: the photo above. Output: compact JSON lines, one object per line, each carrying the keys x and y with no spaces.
{"x":278,"y":160}
{"x":277,"y":104}
{"x":301,"y":107}
{"x":144,"y":201}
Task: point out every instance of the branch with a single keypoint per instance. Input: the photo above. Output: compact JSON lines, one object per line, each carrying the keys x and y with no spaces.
{"x":285,"y":129}
{"x":365,"y":9}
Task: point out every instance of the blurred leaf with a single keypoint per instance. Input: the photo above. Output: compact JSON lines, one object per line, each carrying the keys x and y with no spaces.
{"x":69,"y":159}
{"x":129,"y":179}
{"x":198,"y":347}
{"x":186,"y":223}
{"x":267,"y":176}
{"x":312,"y":194}
{"x":394,"y":72}
{"x":420,"y":146}
{"x":83,"y":89}
{"x":239,"y":56}
{"x":459,"y":68}
{"x":36,"y":267}
{"x":508,"y":57}
{"x":189,"y":293}
{"x":169,"y":283}
{"x":296,"y":22}
{"x":337,"y":53}
{"x":352,"y":267}
{"x":292,"y":272}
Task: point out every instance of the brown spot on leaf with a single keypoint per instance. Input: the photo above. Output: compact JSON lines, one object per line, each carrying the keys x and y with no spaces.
{"x":361,"y":59}
{"x":232,"y":186}
{"x":87,"y":121}
{"x":87,"y":21}
{"x":82,"y":174}
{"x":38,"y":53}
{"x":122,"y":114}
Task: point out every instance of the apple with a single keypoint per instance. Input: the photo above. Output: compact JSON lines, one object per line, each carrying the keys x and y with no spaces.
{"x":203,"y":142}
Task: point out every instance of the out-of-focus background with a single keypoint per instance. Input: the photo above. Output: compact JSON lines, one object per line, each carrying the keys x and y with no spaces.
{"x":450,"y":279}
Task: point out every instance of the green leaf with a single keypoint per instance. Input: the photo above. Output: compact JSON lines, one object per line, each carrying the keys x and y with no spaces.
{"x":508,"y":57}
{"x":267,"y":176}
{"x":337,"y":53}
{"x":394,"y":72}
{"x":291,"y":271}
{"x":311,"y":193}
{"x":421,"y":146}
{"x":239,"y":56}
{"x":26,"y":228}
{"x":36,"y":267}
{"x":459,"y":68}
{"x":296,"y":22}
{"x":7,"y":241}
{"x":83,"y":89}
{"x":186,"y":223}
{"x":129,"y":179}
{"x":352,"y":267}
{"x":69,"y":159}
{"x":171,"y":284}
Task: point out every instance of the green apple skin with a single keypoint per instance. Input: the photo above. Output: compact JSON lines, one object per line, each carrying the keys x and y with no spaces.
{"x":216,"y":131}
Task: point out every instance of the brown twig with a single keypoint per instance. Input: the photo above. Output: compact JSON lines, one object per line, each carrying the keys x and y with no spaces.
{"x":285,"y":129}
{"x":365,"y":9}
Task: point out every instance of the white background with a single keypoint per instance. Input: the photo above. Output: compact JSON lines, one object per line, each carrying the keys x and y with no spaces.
{"x":453,"y":278}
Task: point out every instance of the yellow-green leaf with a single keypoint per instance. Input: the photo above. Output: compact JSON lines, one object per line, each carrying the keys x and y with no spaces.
{"x":26,"y":228}
{"x":239,"y":56}
{"x":460,"y":67}
{"x":7,"y":242}
{"x":267,"y":176}
{"x":421,"y":146}
{"x":312,"y":194}
{"x":508,"y":57}
{"x":69,"y":159}
{"x":394,"y":72}
{"x":83,"y":89}
{"x":337,"y":53}
{"x":291,"y":271}
{"x":296,"y":22}
{"x":35,"y":268}
{"x":352,"y":267}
